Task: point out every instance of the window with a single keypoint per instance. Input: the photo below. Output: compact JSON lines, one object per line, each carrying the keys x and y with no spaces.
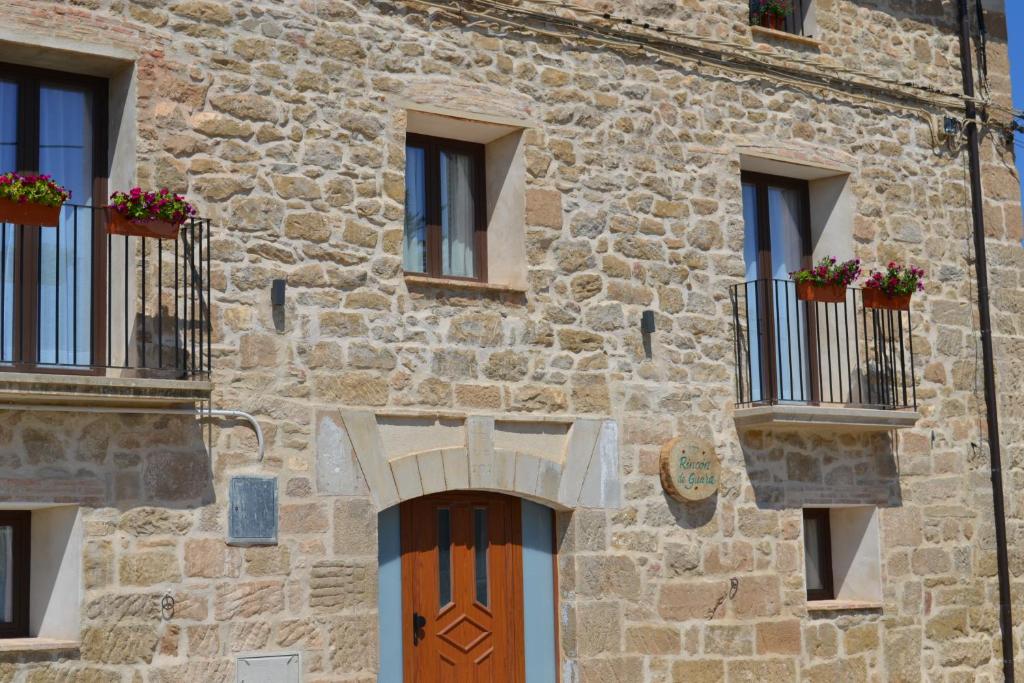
{"x":842,"y":555}
{"x":445,"y":208}
{"x":53,"y":123}
{"x":797,"y":20}
{"x":818,"y":554}
{"x":15,"y":534}
{"x":777,"y":241}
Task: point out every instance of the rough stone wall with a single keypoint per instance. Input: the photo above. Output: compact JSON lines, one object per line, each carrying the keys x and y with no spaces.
{"x":277,"y":118}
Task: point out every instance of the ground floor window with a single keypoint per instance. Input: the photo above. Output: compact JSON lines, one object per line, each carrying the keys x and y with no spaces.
{"x":15,"y":543}
{"x":842,"y":554}
{"x":818,"y":554}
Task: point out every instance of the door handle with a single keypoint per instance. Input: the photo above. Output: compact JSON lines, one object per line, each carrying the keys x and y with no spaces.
{"x":419,"y":622}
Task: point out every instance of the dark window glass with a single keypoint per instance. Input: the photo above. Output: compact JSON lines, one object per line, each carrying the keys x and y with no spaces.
{"x":480,"y":548}
{"x":444,"y":555}
{"x":15,"y":528}
{"x":414,"y":257}
{"x":818,"y":554}
{"x":8,"y":162}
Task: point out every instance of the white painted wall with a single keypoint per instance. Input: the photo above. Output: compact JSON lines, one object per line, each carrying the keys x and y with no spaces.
{"x":856,"y":554}
{"x":506,"y":210}
{"x":55,"y":586}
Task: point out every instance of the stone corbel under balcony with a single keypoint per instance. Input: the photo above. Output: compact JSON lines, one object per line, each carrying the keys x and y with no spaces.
{"x":840,"y":418}
{"x":17,"y":388}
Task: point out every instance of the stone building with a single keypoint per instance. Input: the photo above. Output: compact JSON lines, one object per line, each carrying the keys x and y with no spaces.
{"x":430,"y":234}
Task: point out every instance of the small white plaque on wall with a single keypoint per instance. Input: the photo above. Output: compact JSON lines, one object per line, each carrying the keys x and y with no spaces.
{"x":269,"y":668}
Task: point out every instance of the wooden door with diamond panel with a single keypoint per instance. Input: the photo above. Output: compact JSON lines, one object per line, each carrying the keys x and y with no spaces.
{"x":462,"y":602}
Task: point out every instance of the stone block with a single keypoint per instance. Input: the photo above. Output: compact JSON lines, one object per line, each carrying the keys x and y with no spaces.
{"x":758,"y":597}
{"x":120,"y":644}
{"x":698,"y":671}
{"x":149,"y":568}
{"x":355,"y":527}
{"x":761,"y":671}
{"x":682,"y":601}
{"x":243,"y":600}
{"x":342,"y":584}
{"x":354,"y":644}
{"x":211,"y":558}
{"x":653,"y":640}
{"x":779,"y":637}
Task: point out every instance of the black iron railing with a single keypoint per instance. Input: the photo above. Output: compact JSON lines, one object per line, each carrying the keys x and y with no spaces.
{"x":74,"y":298}
{"x":793,"y":351}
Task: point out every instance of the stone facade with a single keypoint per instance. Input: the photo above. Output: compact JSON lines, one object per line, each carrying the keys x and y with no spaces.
{"x":286,"y":122}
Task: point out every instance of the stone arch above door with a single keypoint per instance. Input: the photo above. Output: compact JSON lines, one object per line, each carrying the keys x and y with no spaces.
{"x":564,"y":462}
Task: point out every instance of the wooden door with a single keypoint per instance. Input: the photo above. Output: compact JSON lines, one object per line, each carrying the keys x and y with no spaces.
{"x":462,"y":589}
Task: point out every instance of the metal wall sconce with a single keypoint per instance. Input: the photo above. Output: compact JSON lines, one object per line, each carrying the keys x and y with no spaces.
{"x":647,"y":328}
{"x":277,"y":292}
{"x":647,"y":322}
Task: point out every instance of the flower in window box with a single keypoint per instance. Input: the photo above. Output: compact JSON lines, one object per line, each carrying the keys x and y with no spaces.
{"x":892,"y":289}
{"x":148,"y":214}
{"x":827,"y":280}
{"x":31,"y":199}
{"x":772,"y":13}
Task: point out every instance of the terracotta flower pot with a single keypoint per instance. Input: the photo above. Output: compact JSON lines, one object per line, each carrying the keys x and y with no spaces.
{"x":119,"y":224}
{"x":808,"y":291}
{"x":27,"y":213}
{"x":876,"y":298}
{"x":776,"y":22}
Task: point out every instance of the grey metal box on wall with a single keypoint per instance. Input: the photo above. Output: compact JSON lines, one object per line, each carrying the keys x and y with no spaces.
{"x":268,"y":668}
{"x":252,"y":510}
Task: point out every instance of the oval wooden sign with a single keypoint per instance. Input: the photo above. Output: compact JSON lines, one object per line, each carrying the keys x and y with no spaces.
{"x":690,"y":470}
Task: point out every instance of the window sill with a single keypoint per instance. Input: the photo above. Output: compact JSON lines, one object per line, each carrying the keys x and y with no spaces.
{"x":90,"y":390}
{"x":762,"y":32}
{"x":842,"y":606}
{"x":796,"y":417}
{"x":34,"y":645}
{"x":423,"y":281}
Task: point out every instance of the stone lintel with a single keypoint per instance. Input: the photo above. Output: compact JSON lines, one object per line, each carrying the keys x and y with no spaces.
{"x":582,"y":472}
{"x":805,"y":417}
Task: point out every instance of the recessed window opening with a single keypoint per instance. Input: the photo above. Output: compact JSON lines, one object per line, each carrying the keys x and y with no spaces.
{"x":818,"y":554}
{"x":842,"y":558}
{"x":791,"y":16}
{"x":445,"y":208}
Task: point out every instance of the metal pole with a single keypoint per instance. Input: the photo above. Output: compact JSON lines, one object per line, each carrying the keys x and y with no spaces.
{"x":985,"y":315}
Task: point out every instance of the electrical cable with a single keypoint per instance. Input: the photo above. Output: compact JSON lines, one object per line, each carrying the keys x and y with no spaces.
{"x":462,"y":9}
{"x":703,"y":51}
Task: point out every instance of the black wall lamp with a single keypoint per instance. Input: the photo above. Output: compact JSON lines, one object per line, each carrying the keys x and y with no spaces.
{"x":647,"y":322}
{"x":647,"y":328}
{"x":277,"y":288}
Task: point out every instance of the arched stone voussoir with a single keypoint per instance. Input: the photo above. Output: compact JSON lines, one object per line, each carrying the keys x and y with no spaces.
{"x":527,"y":475}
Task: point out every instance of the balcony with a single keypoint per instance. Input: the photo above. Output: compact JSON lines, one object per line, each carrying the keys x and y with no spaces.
{"x":820,"y":365}
{"x":92,"y":318}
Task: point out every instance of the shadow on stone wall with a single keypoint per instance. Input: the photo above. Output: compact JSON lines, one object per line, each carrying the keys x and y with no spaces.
{"x":692,"y":515}
{"x":798,"y":469}
{"x":105,"y":460}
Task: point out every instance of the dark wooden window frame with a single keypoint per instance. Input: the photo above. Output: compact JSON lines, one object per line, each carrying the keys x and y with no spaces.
{"x":823,"y":518}
{"x":432,"y":147}
{"x":27,"y":243}
{"x":766,"y":306}
{"x":21,"y":548}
